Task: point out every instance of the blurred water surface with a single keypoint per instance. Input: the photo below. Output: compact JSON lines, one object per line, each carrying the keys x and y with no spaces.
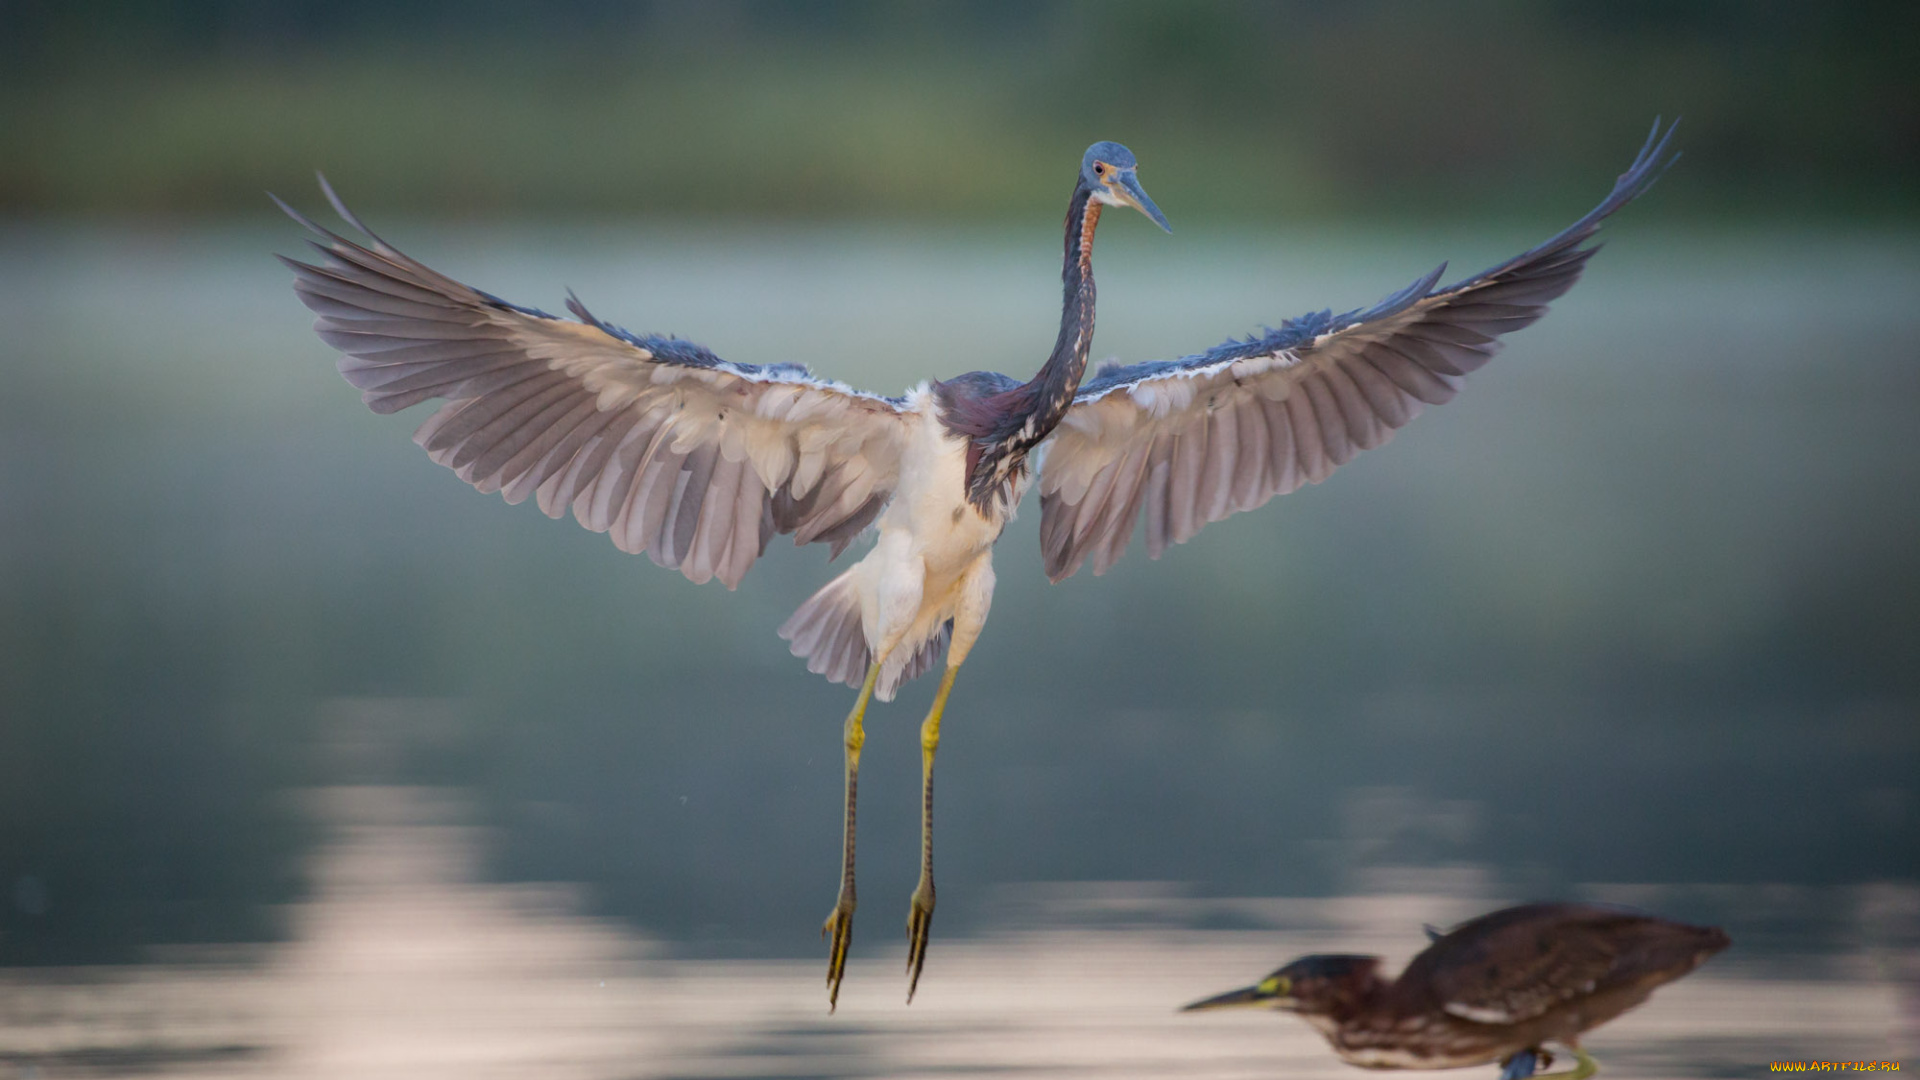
{"x":1633,"y":618}
{"x":403,"y":966}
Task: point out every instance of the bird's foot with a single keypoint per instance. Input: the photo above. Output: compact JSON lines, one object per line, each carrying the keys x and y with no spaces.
{"x":919,"y":923}
{"x":839,"y":927}
{"x":1522,"y":1065}
{"x":1583,"y":1067}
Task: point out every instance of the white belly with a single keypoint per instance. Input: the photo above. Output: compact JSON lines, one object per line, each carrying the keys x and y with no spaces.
{"x":933,"y":559}
{"x":931,"y":506}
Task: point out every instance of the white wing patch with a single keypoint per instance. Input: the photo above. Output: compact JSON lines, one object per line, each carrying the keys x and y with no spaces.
{"x":1480,"y":1014}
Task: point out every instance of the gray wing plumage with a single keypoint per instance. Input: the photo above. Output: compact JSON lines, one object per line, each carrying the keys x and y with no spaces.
{"x":675,"y":452}
{"x":1186,"y":442}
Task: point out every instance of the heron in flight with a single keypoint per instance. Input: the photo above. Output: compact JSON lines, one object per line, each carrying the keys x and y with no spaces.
{"x":1493,"y":989}
{"x":700,"y":461}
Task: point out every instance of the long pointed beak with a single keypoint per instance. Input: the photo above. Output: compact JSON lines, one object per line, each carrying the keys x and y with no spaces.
{"x":1247,"y":998}
{"x":1130,"y":189}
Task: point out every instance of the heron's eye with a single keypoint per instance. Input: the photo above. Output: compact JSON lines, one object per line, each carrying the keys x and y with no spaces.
{"x":1100,"y":168}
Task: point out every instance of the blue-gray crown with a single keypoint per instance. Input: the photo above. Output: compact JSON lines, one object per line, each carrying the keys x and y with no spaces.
{"x":1110,"y":152}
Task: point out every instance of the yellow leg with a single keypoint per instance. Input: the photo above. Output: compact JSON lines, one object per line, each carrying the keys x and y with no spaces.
{"x":920,"y":913}
{"x":839,"y":922}
{"x":1583,"y":1067}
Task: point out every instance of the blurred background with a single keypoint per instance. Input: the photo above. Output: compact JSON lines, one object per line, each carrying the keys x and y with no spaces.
{"x":312,"y":759}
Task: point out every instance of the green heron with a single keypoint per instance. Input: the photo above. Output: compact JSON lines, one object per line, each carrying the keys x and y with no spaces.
{"x":699,"y":461}
{"x":1495,"y":988}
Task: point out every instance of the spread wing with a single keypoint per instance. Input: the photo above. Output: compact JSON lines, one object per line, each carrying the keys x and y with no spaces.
{"x":1516,"y":964}
{"x":1190,"y":441}
{"x":670,"y":449}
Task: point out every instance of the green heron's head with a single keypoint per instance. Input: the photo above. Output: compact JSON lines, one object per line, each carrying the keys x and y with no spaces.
{"x":1107,"y":172}
{"x":1312,"y":985}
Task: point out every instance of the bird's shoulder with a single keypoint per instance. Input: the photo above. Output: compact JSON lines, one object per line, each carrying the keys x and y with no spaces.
{"x":1271,"y":341}
{"x":1515,"y":964}
{"x":972,"y":403}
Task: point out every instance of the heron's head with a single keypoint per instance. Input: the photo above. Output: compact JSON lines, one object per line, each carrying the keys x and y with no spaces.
{"x":1108,"y":172}
{"x":1311,"y":985}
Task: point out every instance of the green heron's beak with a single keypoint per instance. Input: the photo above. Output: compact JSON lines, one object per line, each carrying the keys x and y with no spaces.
{"x":1252,"y":997}
{"x":1126,"y":187}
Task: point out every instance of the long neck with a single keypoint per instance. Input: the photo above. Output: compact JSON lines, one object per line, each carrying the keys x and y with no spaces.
{"x":1006,"y":425}
{"x":1051,"y":390}
{"x":1352,"y":1018}
{"x":1361,"y":995}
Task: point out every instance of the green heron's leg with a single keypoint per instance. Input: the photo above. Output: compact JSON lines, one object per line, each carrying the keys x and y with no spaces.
{"x":839,"y":923}
{"x":1583,"y":1067}
{"x":1521,"y":1066}
{"x":920,"y":913}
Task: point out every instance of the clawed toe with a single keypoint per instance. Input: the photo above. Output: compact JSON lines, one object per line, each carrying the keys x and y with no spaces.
{"x":1583,"y":1067}
{"x":919,"y":924}
{"x":839,"y":927}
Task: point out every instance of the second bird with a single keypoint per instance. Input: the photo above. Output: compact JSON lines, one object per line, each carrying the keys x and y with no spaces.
{"x":1493,"y":989}
{"x":699,"y":461}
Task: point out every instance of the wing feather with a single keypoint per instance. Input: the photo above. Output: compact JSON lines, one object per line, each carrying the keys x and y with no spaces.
{"x":1318,"y":429}
{"x":1516,"y":964}
{"x":1216,"y":475}
{"x":671,"y":450}
{"x":1543,"y":972}
{"x":1250,"y":455}
{"x":1234,"y":426}
{"x":1283,"y":468}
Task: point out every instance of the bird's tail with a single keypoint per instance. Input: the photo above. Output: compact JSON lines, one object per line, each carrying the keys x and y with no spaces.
{"x":920,"y":658}
{"x":827,"y":632}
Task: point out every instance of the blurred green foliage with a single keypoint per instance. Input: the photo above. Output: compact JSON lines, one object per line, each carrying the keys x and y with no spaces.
{"x":877,"y":109}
